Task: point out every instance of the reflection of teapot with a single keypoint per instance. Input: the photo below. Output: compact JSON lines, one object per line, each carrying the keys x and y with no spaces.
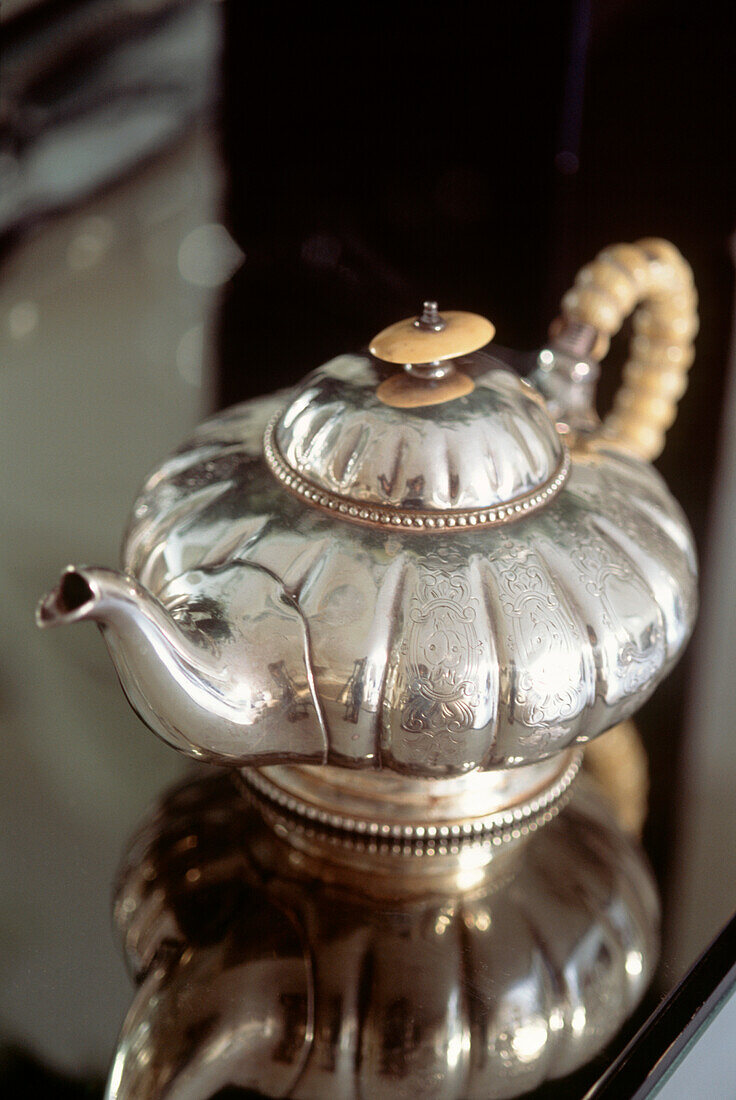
{"x":253,"y":972}
{"x":429,"y":570}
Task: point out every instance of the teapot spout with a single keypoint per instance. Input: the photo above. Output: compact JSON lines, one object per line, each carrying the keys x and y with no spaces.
{"x":225,"y":707}
{"x":111,"y":599}
{"x":75,"y":598}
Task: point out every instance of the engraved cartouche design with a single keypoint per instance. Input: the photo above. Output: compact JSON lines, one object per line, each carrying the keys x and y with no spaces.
{"x":549,"y":694}
{"x":441,"y":652}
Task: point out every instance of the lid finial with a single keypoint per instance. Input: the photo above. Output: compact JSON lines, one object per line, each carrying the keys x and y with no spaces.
{"x":430,"y":320}
{"x":432,"y":337}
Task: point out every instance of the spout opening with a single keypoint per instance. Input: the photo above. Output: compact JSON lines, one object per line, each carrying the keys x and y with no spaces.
{"x":74,"y":592}
{"x":68,"y":602}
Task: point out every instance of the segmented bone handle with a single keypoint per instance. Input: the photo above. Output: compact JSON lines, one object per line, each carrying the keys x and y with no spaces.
{"x":652,"y":280}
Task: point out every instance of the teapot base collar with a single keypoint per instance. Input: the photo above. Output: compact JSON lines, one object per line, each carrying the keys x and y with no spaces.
{"x":413,"y":817}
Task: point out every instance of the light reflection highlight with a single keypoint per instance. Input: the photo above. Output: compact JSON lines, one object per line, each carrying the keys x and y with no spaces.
{"x":208,"y":256}
{"x":23,"y":318}
{"x":529,"y":1040}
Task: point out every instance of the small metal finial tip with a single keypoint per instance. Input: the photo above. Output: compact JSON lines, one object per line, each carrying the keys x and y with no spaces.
{"x":430,"y":320}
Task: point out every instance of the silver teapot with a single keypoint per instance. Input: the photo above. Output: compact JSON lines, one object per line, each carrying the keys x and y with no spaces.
{"x":416,"y":561}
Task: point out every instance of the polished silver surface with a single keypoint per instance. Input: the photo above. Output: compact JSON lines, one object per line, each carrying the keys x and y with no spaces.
{"x":413,"y":854}
{"x":206,"y":672}
{"x":427,"y":656}
{"x":259,"y":967}
{"x":566,"y":375}
{"x":424,"y":814}
{"x":416,"y":519}
{"x":252,"y":627}
{"x":492,"y":447}
{"x":430,"y":319}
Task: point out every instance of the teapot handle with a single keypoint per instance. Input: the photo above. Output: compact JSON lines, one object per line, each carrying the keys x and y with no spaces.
{"x":651,"y":280}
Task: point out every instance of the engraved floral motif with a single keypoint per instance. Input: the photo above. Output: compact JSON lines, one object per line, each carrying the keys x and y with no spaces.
{"x":637,"y":664}
{"x":545,"y":641}
{"x":621,"y":592}
{"x":441,"y":649}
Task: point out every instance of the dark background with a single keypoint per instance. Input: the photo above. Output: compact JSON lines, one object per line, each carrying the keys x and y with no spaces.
{"x":478,"y":154}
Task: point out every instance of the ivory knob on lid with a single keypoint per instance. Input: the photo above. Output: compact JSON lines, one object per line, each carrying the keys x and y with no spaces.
{"x":432,"y":337}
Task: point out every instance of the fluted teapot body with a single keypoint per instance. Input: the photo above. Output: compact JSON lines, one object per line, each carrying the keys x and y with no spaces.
{"x":416,"y":560}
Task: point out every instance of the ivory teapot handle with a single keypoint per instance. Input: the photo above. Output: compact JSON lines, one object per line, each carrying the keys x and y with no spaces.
{"x":651,"y":280}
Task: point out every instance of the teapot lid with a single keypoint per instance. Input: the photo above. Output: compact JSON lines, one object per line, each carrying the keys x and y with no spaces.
{"x":454,"y":439}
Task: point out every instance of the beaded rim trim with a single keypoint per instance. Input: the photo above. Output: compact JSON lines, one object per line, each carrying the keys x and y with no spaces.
{"x":285,"y":825}
{"x":492,"y":830}
{"x":388,"y":515}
